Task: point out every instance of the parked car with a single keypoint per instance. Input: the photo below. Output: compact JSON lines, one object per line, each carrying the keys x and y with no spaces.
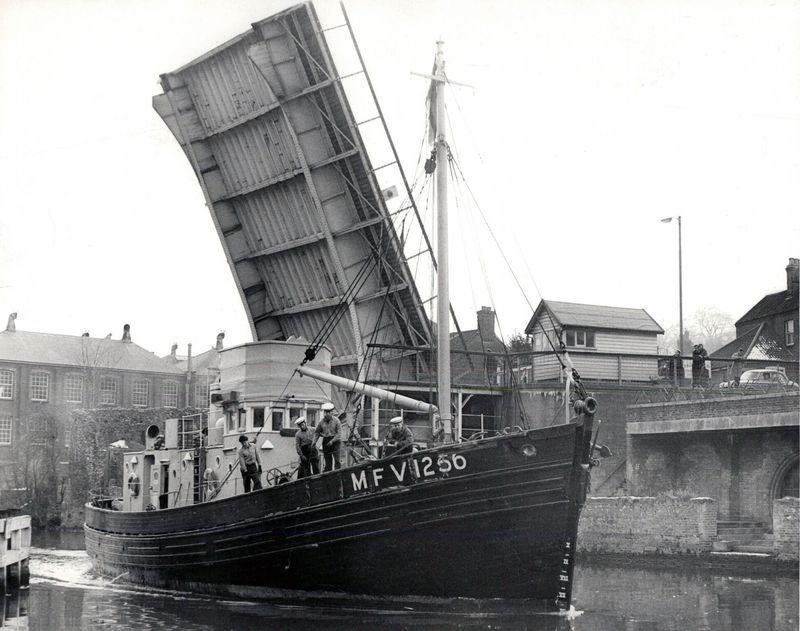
{"x":761,"y":378}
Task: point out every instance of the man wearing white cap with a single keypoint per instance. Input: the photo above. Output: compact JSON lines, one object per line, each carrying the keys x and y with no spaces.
{"x":399,"y":439}
{"x":304,"y":443}
{"x":328,"y":428}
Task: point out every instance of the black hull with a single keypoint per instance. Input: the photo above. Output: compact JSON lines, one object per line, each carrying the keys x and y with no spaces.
{"x":486,"y":519}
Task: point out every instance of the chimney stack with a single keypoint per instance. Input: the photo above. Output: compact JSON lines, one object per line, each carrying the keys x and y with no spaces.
{"x":174,"y":351}
{"x":486,"y":319}
{"x":792,"y":271}
{"x":11,"y":326}
{"x":126,"y":334}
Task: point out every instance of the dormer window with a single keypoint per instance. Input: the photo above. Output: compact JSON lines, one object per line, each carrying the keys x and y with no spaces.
{"x":579,"y":338}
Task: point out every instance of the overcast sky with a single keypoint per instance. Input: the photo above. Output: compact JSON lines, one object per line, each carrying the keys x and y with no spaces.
{"x":588,"y":123}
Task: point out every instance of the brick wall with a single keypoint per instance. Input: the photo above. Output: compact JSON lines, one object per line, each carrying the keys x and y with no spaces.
{"x":737,"y":469}
{"x":722,"y":405}
{"x":648,"y":525}
{"x":786,"y":527}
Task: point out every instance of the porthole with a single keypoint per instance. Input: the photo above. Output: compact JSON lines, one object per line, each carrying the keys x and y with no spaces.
{"x":155,"y":475}
{"x":175,"y":473}
{"x":183,"y":465}
{"x":230,"y":467}
{"x":218,"y":462}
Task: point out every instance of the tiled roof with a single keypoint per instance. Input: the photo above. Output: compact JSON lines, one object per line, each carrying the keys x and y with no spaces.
{"x":596,"y":317}
{"x":208,"y":360}
{"x":767,"y":346}
{"x":771,"y":304}
{"x":758,"y":343}
{"x":471,"y":341}
{"x":744,"y":341}
{"x":74,"y":350}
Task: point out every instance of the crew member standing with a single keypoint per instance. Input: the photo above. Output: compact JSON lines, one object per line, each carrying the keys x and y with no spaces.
{"x":399,"y":439}
{"x":304,"y":443}
{"x":329,"y":428}
{"x":249,"y":464}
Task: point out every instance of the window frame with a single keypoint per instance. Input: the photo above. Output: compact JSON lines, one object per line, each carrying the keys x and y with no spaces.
{"x":10,"y":429}
{"x":171,"y":383}
{"x":10,"y":385}
{"x":586,"y":334}
{"x":102,"y":392}
{"x":789,"y":334}
{"x":32,"y":386}
{"x":137,"y":383}
{"x":202,"y":394}
{"x":68,"y":386}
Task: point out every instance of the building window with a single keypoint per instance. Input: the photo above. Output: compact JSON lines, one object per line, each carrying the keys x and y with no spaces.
{"x":40,"y":386}
{"x":258,"y":417}
{"x":277,"y":420}
{"x":242,"y":419}
{"x":73,"y":388}
{"x":311,"y":417}
{"x":6,"y":384}
{"x":788,"y":328}
{"x":141,"y":393}
{"x":108,"y":391}
{"x":169,"y":394}
{"x":201,"y":395}
{"x":584,"y":339}
{"x":6,"y":428}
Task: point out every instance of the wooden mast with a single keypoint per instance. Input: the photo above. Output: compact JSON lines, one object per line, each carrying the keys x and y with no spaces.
{"x":442,"y":278}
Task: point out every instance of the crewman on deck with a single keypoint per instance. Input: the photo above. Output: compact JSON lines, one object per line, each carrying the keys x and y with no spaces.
{"x":305,"y":445}
{"x":329,"y":429}
{"x":399,"y":439}
{"x":249,"y":464}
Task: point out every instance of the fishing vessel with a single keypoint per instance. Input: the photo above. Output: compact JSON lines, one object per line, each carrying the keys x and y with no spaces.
{"x":267,"y":127}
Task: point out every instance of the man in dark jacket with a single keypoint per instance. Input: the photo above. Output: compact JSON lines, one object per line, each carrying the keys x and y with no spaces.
{"x":329,"y":429}
{"x":305,"y":445}
{"x":249,"y":464}
{"x":399,"y":439}
{"x":699,"y":355}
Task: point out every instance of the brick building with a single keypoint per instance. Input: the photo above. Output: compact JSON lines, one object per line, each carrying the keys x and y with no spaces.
{"x":768,"y":331}
{"x":44,"y":376}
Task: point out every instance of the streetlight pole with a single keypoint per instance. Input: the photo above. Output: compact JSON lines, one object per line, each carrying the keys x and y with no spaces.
{"x":680,"y":280}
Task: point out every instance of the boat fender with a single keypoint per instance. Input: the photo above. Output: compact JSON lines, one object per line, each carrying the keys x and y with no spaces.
{"x":210,"y":478}
{"x":133,"y":484}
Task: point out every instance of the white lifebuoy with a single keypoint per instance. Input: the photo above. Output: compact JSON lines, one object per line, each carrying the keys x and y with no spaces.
{"x":133,"y":484}
{"x":210,"y":479}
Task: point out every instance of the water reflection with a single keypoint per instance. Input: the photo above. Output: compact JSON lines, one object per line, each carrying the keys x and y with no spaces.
{"x":66,"y":595}
{"x":14,"y":609}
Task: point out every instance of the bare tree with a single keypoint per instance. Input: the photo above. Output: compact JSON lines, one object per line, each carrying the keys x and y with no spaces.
{"x":707,"y":326}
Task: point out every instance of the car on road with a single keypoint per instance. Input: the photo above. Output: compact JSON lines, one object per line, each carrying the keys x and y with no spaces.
{"x":761,"y":378}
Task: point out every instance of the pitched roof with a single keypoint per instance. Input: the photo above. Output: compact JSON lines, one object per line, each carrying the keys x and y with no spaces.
{"x":596,"y":317}
{"x":744,"y":341}
{"x":758,"y":342}
{"x":771,"y":304}
{"x":74,"y":350}
{"x":471,"y":341}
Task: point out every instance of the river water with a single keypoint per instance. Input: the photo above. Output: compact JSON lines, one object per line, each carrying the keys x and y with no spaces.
{"x":65,"y":595}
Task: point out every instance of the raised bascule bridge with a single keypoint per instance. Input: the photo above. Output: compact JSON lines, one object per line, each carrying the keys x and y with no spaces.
{"x":267,"y":128}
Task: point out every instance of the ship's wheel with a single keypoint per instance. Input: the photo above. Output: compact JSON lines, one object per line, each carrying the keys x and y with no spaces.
{"x":276,"y":476}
